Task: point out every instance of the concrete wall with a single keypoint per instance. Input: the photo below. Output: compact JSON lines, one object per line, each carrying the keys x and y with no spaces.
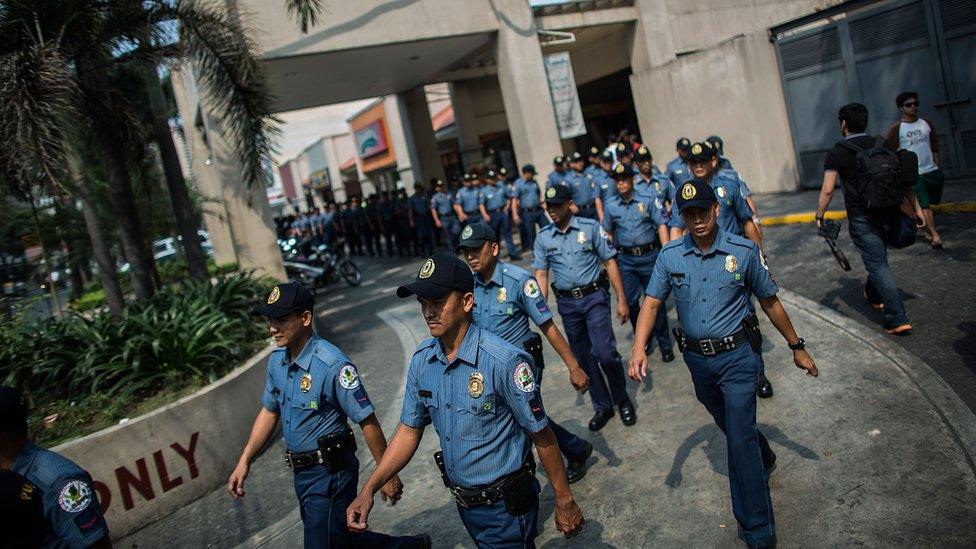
{"x":159,"y":462}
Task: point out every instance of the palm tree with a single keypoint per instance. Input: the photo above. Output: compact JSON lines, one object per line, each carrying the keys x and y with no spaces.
{"x":58,"y":62}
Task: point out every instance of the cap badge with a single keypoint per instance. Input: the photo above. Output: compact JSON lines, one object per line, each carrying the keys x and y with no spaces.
{"x":467,"y":232}
{"x":642,"y":150}
{"x":274,"y":296}
{"x":306,"y":383}
{"x":427,"y":269}
{"x":688,"y":191}
{"x":696,"y":149}
{"x":476,"y":384}
{"x":502,"y":295}
{"x":551,"y":192}
{"x":731,"y":263}
{"x":581,"y":237}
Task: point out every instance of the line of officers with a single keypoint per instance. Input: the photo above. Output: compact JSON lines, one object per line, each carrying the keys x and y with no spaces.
{"x":477,"y":379}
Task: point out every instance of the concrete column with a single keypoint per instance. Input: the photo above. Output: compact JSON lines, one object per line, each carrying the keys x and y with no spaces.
{"x":421,"y":135}
{"x":248,"y":215}
{"x":407,"y":170}
{"x":652,"y":44}
{"x":467,"y":127}
{"x":525,"y":89}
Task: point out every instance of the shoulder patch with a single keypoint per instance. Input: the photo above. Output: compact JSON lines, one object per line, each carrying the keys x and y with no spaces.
{"x":75,"y":497}
{"x":349,"y":377}
{"x":531,"y":288}
{"x":523,"y":377}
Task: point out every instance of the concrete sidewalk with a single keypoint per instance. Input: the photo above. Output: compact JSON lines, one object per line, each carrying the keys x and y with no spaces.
{"x":878,"y":451}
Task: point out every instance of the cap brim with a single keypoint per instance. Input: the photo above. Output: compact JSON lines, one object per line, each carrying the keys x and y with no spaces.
{"x":423,"y":290}
{"x":271,"y":311}
{"x":698,"y":203}
{"x":557,"y":201}
{"x":473,"y":243}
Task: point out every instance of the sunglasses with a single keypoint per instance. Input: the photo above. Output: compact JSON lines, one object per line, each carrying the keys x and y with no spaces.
{"x":910,"y":104}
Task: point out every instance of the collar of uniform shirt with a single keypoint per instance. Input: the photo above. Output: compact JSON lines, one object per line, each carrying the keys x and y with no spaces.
{"x":304,"y":360}
{"x":496,"y":277}
{"x":25,"y":459}
{"x":572,"y":225}
{"x":467,"y":353}
{"x":717,"y":245}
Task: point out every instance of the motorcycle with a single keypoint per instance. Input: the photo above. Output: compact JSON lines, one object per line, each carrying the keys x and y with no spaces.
{"x":317,"y":266}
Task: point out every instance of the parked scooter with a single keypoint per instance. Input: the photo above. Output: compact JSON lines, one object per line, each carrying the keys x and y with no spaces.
{"x":317,"y":266}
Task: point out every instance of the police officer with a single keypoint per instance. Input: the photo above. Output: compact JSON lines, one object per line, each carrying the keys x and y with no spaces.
{"x":21,"y":511}
{"x":712,"y":274}
{"x":606,"y":188}
{"x":72,"y":515}
{"x":313,"y":388}
{"x":480,"y":394}
{"x":635,"y":222}
{"x":506,"y":298}
{"x":509,"y":188}
{"x":593,"y":162}
{"x":357,"y":224}
{"x":445,"y":218}
{"x":677,"y":170}
{"x":387,"y":213}
{"x":725,"y":166}
{"x":373,"y":231}
{"x":625,"y":155}
{"x":527,"y":207}
{"x":558,"y":174}
{"x":466,"y":201}
{"x":494,"y":206}
{"x":574,"y":247}
{"x":584,"y":188}
{"x":421,"y":221}
{"x":404,"y":236}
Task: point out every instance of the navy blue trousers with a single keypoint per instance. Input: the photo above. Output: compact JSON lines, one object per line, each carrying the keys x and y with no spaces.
{"x":424,"y":235}
{"x":492,"y":527}
{"x":529,"y":222}
{"x":323,"y":498}
{"x":726,"y":385}
{"x":589,"y":330}
{"x":569,"y":444}
{"x":503,"y":230}
{"x":450,"y":229}
{"x":636,"y":272}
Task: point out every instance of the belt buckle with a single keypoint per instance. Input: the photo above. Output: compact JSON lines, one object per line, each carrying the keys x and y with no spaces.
{"x":637,"y":251}
{"x":458,"y":498}
{"x":288,"y":462}
{"x":707,"y":348}
{"x":577,"y":293}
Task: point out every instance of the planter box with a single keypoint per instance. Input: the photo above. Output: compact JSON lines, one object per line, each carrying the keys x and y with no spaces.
{"x":159,"y":462}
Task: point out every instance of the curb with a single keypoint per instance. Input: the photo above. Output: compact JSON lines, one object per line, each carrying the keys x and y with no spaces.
{"x":957,"y":416}
{"x":808,"y":217}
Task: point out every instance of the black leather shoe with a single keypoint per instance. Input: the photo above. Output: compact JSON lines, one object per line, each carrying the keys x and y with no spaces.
{"x":423,"y":541}
{"x":627,"y":413}
{"x":576,"y":469}
{"x":764,"y":389}
{"x":667,"y":355}
{"x":600,"y":419}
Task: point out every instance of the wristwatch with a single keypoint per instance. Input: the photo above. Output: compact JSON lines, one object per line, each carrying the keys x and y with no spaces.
{"x":800,"y":345}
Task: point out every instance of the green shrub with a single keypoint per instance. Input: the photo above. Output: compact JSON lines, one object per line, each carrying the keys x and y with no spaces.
{"x":91,"y":299}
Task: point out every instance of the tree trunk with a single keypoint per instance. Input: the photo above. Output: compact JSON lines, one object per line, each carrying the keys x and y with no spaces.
{"x":196,"y":260}
{"x":100,"y":246}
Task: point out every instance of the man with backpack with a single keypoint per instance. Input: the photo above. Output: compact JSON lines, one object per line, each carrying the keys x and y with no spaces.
{"x":875,"y":187}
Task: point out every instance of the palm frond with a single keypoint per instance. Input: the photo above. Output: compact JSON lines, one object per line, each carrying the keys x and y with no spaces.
{"x":227,"y":66}
{"x":305,"y":12}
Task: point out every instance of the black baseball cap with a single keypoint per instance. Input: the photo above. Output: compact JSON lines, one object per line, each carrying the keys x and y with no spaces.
{"x":620,"y":171}
{"x":716,"y":142}
{"x":695,"y":193}
{"x":643,"y":154}
{"x":440,"y":274}
{"x":575,"y":157}
{"x":285,"y":299}
{"x":594,"y":151}
{"x":502,"y":172}
{"x":13,"y":409}
{"x":558,"y":194}
{"x":624,"y":149}
{"x":490,"y":174}
{"x":606,"y":156}
{"x":529,"y":168}
{"x":701,"y":152}
{"x":559,"y":159}
{"x":683,"y":144}
{"x":474,"y":235}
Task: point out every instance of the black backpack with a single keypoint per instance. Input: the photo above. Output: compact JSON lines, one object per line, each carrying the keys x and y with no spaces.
{"x":877,"y":175}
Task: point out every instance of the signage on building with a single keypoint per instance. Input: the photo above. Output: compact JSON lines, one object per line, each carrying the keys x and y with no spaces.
{"x":369,"y":140}
{"x":565,"y":100}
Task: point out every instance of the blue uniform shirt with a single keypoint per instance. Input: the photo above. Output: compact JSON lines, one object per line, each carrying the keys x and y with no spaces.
{"x":711,"y":289}
{"x":72,"y":515}
{"x":574,"y":256}
{"x":678,"y":172}
{"x":584,"y":188}
{"x":468,"y":198}
{"x":442,"y":203}
{"x":481,"y":405}
{"x":505,"y":304}
{"x":527,"y":193}
{"x":592,"y":170}
{"x":494,"y":196}
{"x":633,"y":222}
{"x":606,"y":186}
{"x":732,"y":208}
{"x":419,"y":205}
{"x":314,"y":394}
{"x":555,"y":178}
{"x":729,"y":173}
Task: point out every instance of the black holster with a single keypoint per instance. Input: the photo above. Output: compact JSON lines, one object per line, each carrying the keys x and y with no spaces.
{"x":519,"y":490}
{"x":751,"y":326}
{"x":680,"y":339}
{"x":439,"y":460}
{"x":533,"y":346}
{"x":335,"y":450}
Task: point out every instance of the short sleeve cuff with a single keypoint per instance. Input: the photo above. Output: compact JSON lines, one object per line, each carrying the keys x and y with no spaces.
{"x":413,"y":421}
{"x":270,"y":404}
{"x":362,"y":413}
{"x":536,"y":427}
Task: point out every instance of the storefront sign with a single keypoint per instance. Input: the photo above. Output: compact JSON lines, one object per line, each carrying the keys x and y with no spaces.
{"x":369,"y":140}
{"x":565,"y":100}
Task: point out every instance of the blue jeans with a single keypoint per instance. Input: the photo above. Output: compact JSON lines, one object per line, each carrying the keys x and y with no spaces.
{"x":866,"y":232}
{"x":726,"y":385}
{"x":492,"y":526}
{"x":323,"y":498}
{"x":589,"y":330}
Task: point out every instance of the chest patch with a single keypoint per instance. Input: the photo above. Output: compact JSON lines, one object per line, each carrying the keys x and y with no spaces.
{"x":75,"y":497}
{"x":731,"y":263}
{"x":476,"y":384}
{"x":306,"y":383}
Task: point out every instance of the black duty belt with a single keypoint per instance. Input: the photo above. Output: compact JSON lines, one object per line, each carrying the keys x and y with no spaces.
{"x":711,"y":347}
{"x":473,"y":212}
{"x":638,"y":250}
{"x":329,"y":444}
{"x":451,"y":214}
{"x":532,"y":209}
{"x":580,"y":292}
{"x":496,"y":210}
{"x":488,"y":495}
